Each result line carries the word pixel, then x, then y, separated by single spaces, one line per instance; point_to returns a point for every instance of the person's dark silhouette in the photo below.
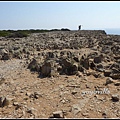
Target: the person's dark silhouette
pixel 79 27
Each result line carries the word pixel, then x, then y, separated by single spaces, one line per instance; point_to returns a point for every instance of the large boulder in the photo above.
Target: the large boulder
pixel 99 67
pixel 34 65
pixel 84 61
pixel 51 55
pixel 69 66
pixel 115 75
pixel 98 59
pixel 72 70
pixel 107 73
pixel 4 101
pixel 49 69
pixel 46 69
pixel 5 55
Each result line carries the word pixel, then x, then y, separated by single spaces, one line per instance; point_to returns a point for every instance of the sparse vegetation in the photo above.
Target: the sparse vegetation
pixel 65 29
pixel 25 33
pixel 4 33
pixel 18 35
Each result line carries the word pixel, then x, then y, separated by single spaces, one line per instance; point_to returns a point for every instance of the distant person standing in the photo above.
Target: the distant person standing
pixel 79 27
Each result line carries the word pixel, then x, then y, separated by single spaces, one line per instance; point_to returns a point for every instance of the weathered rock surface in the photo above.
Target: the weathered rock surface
pixel 47 73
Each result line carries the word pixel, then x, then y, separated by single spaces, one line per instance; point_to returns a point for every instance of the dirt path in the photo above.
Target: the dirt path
pixel 10 67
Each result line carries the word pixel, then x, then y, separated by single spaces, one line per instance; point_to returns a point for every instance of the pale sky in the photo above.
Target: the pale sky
pixel 59 14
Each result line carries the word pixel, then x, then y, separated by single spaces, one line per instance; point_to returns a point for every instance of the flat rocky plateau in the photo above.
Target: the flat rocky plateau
pixel 60 74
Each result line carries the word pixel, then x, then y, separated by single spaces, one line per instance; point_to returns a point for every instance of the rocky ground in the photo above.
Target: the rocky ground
pixel 60 74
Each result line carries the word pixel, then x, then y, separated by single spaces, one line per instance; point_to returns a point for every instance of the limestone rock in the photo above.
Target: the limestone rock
pixel 97 60
pixel 58 114
pixel 115 98
pixel 107 73
pixel 117 84
pixel 46 69
pixel 76 108
pixel 84 62
pixel 4 101
pixel 109 81
pixel 34 65
pixel 115 76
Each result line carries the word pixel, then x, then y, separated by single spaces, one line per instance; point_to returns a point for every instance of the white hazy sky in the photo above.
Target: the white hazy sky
pixel 59 14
